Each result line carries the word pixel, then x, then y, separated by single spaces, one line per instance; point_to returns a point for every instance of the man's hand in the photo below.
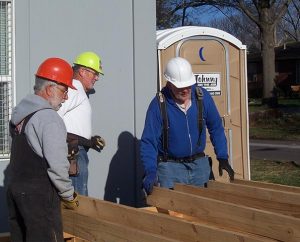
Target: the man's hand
pixel 72 204
pixel 149 181
pixel 97 143
pixel 224 165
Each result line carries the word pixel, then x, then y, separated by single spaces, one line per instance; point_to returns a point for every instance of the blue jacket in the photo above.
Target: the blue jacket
pixel 183 130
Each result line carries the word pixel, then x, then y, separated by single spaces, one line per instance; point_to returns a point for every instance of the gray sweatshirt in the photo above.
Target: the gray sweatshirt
pixel 46 134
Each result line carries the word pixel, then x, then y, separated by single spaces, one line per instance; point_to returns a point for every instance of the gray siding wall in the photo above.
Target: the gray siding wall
pixel 123 33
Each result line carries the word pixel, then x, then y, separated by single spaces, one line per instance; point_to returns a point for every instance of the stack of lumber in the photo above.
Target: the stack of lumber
pixel 296 88
pixel 223 212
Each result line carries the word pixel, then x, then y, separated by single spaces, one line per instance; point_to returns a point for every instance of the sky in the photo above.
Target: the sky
pixel 203 15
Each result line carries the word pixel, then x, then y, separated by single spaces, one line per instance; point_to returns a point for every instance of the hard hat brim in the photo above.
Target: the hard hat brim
pixel 100 71
pixel 188 83
pixel 72 87
pixel 53 80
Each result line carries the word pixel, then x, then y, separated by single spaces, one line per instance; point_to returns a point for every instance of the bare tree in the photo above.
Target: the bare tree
pixel 289 27
pixel 165 17
pixel 266 14
pixel 235 23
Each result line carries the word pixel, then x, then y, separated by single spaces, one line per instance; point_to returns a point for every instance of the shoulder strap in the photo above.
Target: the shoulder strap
pixel 199 96
pixel 25 121
pixel 164 115
pixel 20 127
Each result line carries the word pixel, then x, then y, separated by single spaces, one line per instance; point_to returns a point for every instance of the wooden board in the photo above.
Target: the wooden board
pixel 230 216
pixel 273 186
pixel 72 238
pixel 100 230
pixel 94 214
pixel 223 212
pixel 249 199
pixel 4 237
pixel 269 194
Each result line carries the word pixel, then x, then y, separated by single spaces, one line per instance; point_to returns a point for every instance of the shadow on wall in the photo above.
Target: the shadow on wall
pixel 124 180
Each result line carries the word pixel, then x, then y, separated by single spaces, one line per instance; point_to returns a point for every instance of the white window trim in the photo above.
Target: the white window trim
pixel 10 78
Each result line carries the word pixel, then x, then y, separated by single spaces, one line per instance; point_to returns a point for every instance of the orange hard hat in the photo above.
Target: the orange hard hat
pixel 57 70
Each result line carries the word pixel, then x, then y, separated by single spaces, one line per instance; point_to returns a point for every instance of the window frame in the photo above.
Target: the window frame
pixel 7 74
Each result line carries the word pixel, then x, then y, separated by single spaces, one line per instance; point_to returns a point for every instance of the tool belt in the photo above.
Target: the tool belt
pixel 186 159
pixel 74 167
pixel 74 141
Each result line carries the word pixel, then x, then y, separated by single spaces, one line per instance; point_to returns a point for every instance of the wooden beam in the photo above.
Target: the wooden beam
pixel 251 200
pixel 154 223
pixel 268 224
pixel 257 192
pixel 273 186
pixel 72 238
pixel 4 237
pixel 93 229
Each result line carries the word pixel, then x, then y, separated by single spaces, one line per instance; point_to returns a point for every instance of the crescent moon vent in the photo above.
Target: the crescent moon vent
pixel 201 54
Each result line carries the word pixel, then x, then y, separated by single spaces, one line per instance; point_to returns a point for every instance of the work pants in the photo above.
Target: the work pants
pixel 192 173
pixel 80 182
pixel 34 213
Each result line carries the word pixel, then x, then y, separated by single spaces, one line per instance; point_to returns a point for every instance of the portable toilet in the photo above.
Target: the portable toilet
pixel 218 61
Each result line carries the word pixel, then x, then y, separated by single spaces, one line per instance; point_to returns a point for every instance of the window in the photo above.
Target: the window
pixel 6 74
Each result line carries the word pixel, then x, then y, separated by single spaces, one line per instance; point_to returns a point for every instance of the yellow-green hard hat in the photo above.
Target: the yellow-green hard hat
pixel 90 60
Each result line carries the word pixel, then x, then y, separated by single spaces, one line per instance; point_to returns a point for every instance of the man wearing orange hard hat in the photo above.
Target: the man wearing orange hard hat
pixel 37 175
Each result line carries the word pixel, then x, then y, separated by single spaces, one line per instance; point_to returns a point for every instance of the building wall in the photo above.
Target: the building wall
pixel 123 33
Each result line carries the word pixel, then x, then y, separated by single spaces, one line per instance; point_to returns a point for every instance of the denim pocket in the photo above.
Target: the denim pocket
pixel 200 172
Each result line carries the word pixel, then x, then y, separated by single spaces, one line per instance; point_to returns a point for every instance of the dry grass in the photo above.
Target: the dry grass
pixel 285 173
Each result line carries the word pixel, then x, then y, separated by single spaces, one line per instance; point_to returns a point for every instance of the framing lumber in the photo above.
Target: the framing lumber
pixel 273 186
pixel 250 200
pixel 100 230
pixel 272 225
pixel 72 238
pixel 4 237
pixel 257 192
pixel 93 214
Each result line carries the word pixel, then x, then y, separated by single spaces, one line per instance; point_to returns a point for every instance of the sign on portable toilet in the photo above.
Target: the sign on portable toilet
pixel 218 61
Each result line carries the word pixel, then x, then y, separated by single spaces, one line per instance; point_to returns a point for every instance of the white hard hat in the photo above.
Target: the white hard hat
pixel 179 72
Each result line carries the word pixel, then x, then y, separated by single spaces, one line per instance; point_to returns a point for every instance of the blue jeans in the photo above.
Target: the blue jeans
pixel 80 182
pixel 192 173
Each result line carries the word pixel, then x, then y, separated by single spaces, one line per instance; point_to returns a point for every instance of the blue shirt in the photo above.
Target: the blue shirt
pixel 183 131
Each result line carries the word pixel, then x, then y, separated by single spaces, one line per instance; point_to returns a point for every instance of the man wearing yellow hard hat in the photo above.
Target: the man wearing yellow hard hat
pixel 77 115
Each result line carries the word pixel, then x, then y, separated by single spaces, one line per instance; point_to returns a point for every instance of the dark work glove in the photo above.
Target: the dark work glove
pixel 149 181
pixel 97 143
pixel 224 165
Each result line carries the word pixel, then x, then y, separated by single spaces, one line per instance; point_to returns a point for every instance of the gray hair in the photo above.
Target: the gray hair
pixel 76 68
pixel 41 83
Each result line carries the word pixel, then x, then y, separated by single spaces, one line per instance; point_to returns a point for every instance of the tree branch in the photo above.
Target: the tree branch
pixel 243 7
pixel 282 11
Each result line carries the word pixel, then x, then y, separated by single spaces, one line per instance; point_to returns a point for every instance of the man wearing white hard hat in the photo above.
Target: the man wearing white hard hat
pixel 174 137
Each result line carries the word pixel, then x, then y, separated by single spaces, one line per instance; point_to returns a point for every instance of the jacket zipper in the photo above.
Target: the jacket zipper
pixel 189 134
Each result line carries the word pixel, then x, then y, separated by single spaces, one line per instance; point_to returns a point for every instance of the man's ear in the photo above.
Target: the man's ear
pixel 81 71
pixel 49 90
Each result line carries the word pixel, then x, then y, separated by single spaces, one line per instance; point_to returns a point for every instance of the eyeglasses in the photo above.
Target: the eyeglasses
pixel 93 72
pixel 63 91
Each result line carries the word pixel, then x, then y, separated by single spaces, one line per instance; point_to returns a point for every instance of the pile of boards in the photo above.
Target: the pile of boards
pixel 223 212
